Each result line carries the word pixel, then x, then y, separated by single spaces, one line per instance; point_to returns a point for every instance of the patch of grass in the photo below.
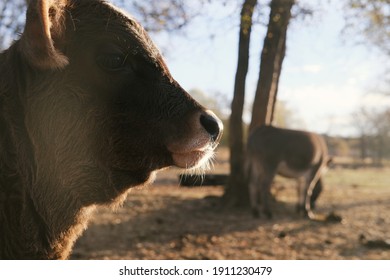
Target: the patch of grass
pixel 362 177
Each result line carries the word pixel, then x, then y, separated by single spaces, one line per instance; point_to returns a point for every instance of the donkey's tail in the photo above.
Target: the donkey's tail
pixel 318 170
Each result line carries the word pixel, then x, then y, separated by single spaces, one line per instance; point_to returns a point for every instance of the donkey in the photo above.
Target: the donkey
pixel 88 109
pixel 290 153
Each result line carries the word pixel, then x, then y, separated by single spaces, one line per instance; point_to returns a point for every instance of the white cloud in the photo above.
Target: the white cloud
pixel 375 101
pixel 312 68
pixel 307 68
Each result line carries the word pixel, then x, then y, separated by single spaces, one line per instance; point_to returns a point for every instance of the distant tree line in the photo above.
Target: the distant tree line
pixel 373 127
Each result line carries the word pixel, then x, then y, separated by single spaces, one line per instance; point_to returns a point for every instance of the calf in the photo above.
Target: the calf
pixel 291 153
pixel 88 109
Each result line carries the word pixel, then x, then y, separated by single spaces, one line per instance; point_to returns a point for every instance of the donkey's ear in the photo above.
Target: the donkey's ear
pixel 44 33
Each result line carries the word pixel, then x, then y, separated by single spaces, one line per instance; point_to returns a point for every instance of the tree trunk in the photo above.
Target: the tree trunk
pixel 363 147
pixel 236 193
pixel 271 63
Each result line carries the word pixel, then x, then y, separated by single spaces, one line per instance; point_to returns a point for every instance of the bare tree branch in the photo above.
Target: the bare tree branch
pixel 370 20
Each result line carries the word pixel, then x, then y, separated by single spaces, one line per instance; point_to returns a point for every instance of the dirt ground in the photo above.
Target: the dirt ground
pixel 166 221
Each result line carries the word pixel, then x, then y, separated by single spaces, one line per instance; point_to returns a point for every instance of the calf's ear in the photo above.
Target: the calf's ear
pixel 44 33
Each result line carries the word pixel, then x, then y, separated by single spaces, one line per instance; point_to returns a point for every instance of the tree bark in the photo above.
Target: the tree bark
pixel 236 193
pixel 272 56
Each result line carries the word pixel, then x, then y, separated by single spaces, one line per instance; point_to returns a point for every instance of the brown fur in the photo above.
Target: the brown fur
pixel 77 129
pixel 294 154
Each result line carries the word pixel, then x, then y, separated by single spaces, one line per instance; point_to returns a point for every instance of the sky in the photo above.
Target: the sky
pixel 325 77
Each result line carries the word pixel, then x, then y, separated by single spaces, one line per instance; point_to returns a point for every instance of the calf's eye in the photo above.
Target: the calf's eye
pixel 111 62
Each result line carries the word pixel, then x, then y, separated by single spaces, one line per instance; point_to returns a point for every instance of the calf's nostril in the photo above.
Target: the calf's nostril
pixel 212 125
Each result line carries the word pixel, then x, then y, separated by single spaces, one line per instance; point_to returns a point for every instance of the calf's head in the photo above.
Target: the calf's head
pixel 101 108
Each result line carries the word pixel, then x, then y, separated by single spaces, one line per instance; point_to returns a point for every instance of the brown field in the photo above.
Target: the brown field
pixel 165 221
